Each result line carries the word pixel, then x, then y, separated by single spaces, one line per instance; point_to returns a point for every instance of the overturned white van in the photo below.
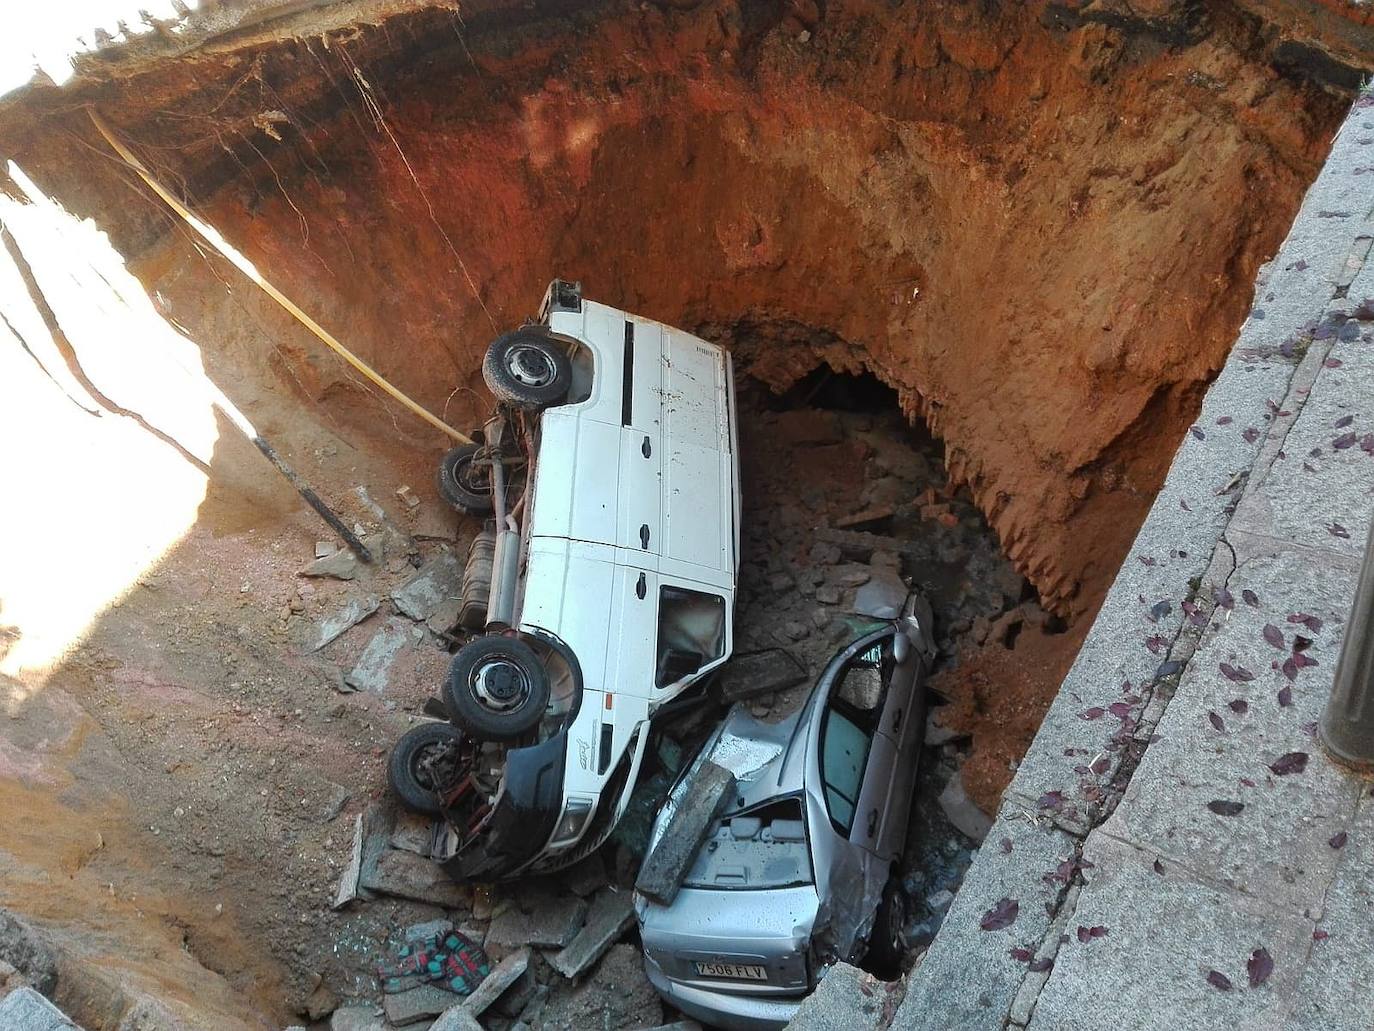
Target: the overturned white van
pixel 611 473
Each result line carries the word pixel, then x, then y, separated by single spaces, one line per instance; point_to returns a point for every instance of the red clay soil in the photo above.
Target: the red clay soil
pixel 998 696
pixel 1043 239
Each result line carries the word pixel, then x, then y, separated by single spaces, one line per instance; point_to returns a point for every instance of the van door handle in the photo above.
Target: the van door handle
pixel 872 822
pixel 641 588
pixel 645 448
pixel 644 536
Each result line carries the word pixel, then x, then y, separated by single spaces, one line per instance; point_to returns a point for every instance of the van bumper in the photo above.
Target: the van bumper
pixel 723 1009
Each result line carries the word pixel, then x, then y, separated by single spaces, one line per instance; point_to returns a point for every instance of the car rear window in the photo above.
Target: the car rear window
pixel 764 847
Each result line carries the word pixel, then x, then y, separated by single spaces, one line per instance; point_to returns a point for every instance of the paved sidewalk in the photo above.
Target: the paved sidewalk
pixel 1179 850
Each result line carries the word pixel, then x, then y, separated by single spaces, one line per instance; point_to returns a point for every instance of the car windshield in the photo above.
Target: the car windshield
pixel 763 847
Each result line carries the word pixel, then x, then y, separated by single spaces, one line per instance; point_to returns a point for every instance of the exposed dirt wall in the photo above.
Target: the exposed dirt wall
pixel 1043 237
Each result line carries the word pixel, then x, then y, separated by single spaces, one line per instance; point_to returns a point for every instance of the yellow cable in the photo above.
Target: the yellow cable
pixel 215 240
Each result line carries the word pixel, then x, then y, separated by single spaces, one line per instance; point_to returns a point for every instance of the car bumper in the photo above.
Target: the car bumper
pixel 724 1009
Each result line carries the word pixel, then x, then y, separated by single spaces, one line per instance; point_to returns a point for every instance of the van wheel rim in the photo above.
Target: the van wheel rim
pixel 500 684
pixel 530 366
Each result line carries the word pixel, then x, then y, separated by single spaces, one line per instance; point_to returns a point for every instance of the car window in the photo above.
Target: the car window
pixel 844 754
pixel 763 847
pixel 691 632
pixel 862 682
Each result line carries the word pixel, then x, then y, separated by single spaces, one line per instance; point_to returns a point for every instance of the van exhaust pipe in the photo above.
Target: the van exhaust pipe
pixel 506 560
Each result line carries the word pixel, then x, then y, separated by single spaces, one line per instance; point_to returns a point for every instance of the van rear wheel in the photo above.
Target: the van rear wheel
pixel 497 689
pixel 527 369
pixel 422 764
pixel 464 481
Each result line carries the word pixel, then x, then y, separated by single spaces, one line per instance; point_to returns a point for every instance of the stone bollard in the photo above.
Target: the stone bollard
pixel 1347 724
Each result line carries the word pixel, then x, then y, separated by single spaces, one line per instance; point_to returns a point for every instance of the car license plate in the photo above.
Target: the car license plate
pixel 740 971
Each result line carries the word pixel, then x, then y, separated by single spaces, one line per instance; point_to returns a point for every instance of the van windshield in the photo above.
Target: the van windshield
pixel 763 847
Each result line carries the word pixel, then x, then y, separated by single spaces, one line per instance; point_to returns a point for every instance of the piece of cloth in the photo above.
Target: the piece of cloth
pixel 451 961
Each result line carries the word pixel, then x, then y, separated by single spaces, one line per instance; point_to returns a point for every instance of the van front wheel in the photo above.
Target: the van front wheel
pixel 497 689
pixel 527 369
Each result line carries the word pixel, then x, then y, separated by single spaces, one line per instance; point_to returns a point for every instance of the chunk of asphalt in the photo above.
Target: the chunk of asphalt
pixel 758 673
pixel 374 665
pixel 661 875
pixel 438 580
pixel 610 916
pixel 333 626
pixel 416 1004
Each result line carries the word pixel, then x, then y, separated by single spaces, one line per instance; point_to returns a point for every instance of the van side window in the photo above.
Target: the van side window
pixel 691 632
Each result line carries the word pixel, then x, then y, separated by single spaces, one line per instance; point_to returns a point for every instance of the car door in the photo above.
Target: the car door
pixel 903 723
pixel 856 757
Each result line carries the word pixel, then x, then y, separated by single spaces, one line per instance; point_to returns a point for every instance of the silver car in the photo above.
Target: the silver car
pixel 797 874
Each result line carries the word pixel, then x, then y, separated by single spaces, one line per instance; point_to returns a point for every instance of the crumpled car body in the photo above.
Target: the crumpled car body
pixel 791 874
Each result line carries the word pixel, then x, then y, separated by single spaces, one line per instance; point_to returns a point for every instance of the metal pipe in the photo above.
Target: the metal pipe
pixel 1347 724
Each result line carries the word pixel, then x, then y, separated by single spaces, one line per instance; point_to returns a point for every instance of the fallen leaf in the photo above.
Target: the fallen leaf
pixel 1289 762
pixel 1096 712
pixel 1005 845
pixel 1159 867
pixel 1285 696
pixel 1086 934
pixel 1197 433
pixel 1216 722
pixel 1250 597
pixel 1225 807
pixel 1001 915
pixel 1236 673
pixel 1345 440
pixel 1041 965
pixel 1273 635
pixel 1259 966
pixel 1344 421
pixel 1339 839
pixel 1021 955
pixel 1218 980
pixel 1337 530
pixel 1319 935
pixel 1240 706
pixel 1290 668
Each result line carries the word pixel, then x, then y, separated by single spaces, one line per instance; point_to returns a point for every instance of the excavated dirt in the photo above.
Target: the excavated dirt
pixel 1038 230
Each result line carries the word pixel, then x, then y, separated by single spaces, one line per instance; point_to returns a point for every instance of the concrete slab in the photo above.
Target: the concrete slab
pixel 664 867
pixel 1163 934
pixel 847 999
pixel 416 1004
pixel 25 1010
pixel 333 626
pixel 1334 992
pixel 373 669
pixel 550 921
pixel 968 978
pixel 1275 847
pixel 758 673
pixel 610 915
pixel 501 977
pixel 408 876
pixel 438 580
pixel 1317 495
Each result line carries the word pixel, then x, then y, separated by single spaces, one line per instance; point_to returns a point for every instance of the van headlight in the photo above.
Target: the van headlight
pixel 570 825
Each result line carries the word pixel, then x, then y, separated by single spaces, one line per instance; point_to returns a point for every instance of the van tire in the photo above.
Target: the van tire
pixel 527 369
pixel 497 689
pixel 403 775
pixel 457 485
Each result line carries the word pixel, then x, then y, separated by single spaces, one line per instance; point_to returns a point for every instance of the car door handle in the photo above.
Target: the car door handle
pixel 872 822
